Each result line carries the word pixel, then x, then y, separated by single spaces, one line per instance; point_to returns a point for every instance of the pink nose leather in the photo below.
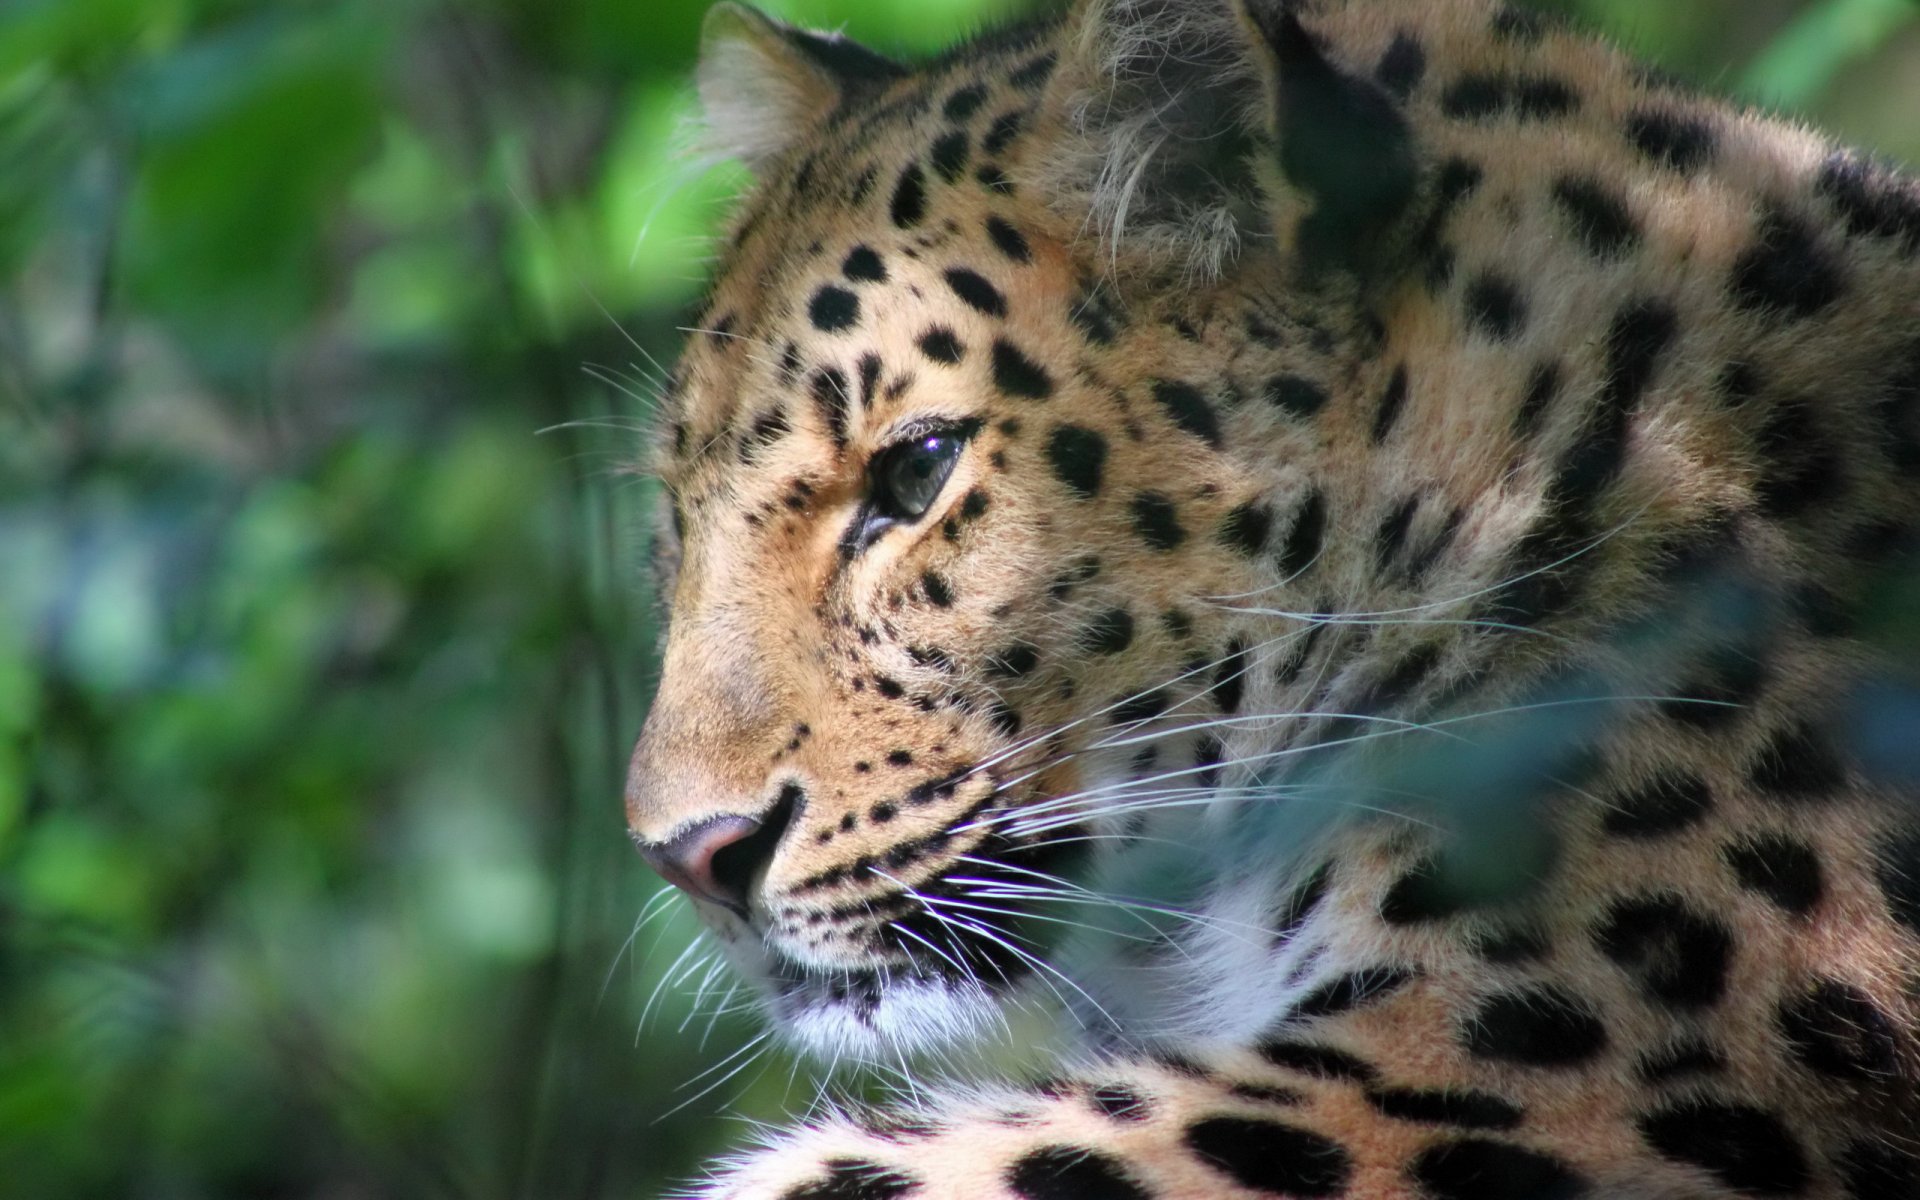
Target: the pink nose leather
pixel 688 861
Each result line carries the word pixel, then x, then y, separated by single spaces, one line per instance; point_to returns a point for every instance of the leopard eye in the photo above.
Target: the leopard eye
pixel 908 476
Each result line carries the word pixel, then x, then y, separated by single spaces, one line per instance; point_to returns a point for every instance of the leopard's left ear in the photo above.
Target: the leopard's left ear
pixel 1187 128
pixel 764 85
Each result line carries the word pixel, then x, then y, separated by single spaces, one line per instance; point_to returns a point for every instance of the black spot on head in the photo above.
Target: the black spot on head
pixel 833 309
pixel 1508 945
pixel 900 758
pixel 1071 1173
pixel 1672 800
pixel 1230 678
pixel 1678 142
pixel 1494 306
pixel 1679 956
pixel 1303 542
pixel 890 688
pixel 1008 240
pixel 1247 528
pixel 939 344
pixel 1786 271
pixel 1004 129
pixel 964 103
pixel 1392 401
pixel 1142 707
pixel 1738 383
pixel 1599 217
pixel 1837 1030
pixel 975 292
pixel 863 265
pixel 1482 1169
pixel 1543 1026
pixel 855 1179
pixel 1797 764
pixel 1402 66
pixel 1746 1149
pixel 1157 521
pixel 1321 1062
pixel 1267 1156
pixel 1295 395
pixel 1014 661
pixel 949 154
pixel 833 400
pixel 1188 409
pixel 937 588
pixel 1017 375
pixel 909 204
pixel 1078 457
pixel 1540 98
pixel 1108 633
pixel 1781 868
pixel 1476 96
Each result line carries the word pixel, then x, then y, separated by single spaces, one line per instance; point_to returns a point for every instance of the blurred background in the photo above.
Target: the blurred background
pixel 327 332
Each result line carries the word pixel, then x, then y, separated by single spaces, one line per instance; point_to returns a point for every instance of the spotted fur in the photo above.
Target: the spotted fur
pixel 1382 670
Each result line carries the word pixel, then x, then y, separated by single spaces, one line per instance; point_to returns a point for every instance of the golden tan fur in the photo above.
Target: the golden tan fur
pixel 1386 554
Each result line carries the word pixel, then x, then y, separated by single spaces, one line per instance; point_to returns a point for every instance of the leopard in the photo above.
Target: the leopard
pixel 1277 598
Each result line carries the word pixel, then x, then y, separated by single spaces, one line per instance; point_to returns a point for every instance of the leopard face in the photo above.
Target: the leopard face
pixel 944 585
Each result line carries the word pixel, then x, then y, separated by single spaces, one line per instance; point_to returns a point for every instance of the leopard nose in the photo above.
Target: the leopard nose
pixel 717 859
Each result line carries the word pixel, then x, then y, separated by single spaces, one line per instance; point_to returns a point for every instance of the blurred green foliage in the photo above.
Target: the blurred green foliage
pixel 319 662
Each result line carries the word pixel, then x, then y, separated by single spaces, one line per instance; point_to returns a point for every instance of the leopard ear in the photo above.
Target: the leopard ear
pixel 1188 128
pixel 763 84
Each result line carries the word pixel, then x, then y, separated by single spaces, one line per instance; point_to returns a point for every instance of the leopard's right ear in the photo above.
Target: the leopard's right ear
pixel 764 85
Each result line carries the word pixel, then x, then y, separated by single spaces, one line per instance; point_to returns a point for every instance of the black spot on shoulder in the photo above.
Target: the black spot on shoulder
pixel 1675 141
pixel 1539 98
pixel 1786 271
pixel 1078 457
pixel 1473 97
pixel 1519 25
pixel 1300 904
pixel 1483 1169
pixel 1063 1172
pixel 1303 542
pixel 1402 66
pixel 1230 678
pixel 1494 307
pixel 1781 868
pixel 1542 1026
pixel 940 345
pixel 1321 1062
pixel 1837 1030
pixel 1872 198
pixel 1392 401
pixel 1247 528
pixel 1031 76
pixel 1188 409
pixel 833 309
pixel 863 265
pixel 1017 375
pixel 1599 217
pixel 1449 1106
pixel 909 204
pixel 1295 395
pixel 1800 470
pixel 1008 239
pixel 1157 521
pixel 1108 633
pixel 975 292
pixel 1672 800
pixel 949 154
pixel 1267 1156
pixel 1746 1149
pixel 1355 989
pixel 1797 764
pixel 1679 956
pixel 1142 707
pixel 855 1179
